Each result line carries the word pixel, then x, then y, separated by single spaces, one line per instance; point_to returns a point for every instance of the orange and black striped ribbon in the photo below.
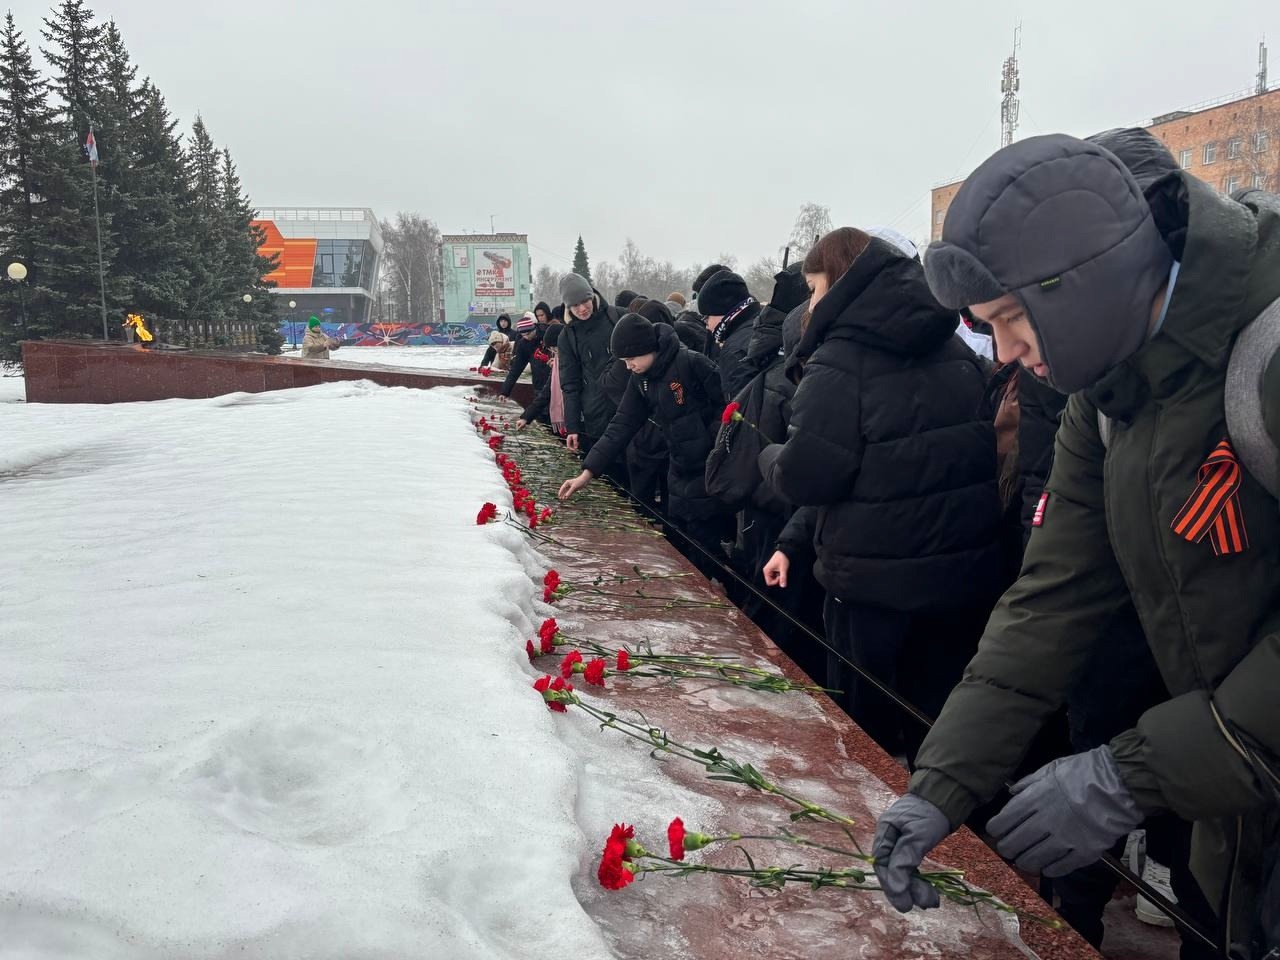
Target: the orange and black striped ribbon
pixel 1214 508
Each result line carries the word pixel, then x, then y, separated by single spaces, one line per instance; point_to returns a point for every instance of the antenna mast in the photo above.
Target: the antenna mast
pixel 1262 66
pixel 1009 88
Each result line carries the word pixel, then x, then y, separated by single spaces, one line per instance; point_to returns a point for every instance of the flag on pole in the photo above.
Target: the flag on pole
pixel 91 149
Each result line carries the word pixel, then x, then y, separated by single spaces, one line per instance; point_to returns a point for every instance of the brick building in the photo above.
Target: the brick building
pixel 1231 144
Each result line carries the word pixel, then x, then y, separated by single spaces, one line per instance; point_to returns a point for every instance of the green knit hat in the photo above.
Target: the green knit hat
pixel 313 323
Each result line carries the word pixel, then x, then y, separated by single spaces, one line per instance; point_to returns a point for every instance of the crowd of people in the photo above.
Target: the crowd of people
pixel 1027 483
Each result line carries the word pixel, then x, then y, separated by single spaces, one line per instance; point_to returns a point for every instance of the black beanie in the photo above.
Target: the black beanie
pixel 656 312
pixel 633 336
pixel 706 275
pixel 557 313
pixel 722 293
pixel 623 300
pixel 552 336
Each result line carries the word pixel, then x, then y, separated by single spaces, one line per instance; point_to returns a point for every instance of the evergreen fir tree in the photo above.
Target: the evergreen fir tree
pixel 154 246
pixel 115 122
pixel 44 192
pixel 75 53
pixel 580 265
pixel 207 255
pixel 246 267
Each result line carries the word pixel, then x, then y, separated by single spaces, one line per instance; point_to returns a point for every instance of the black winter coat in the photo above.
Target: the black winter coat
pixel 1039 413
pixel 528 352
pixel 681 393
pixel 730 351
pixel 887 441
pixel 585 360
pixel 733 471
pixel 692 331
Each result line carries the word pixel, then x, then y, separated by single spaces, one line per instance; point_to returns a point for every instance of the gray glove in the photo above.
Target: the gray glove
pixel 907 831
pixel 1066 814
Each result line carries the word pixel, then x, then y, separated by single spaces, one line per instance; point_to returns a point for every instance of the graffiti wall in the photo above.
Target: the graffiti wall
pixel 396 334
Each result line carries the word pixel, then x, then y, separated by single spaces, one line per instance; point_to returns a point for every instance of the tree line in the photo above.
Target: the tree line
pixel 635 271
pixel 177 238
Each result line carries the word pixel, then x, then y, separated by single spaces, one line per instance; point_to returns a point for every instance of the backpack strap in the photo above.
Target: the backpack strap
pixel 1253 350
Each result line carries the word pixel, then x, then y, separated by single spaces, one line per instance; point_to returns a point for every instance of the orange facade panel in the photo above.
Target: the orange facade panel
pixel 295 258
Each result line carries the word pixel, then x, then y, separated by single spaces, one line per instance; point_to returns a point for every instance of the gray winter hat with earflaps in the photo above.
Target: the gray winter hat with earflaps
pixel 1062 225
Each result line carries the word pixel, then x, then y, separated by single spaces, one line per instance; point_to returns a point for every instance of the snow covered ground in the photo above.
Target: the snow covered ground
pixel 262 691
pixel 459 359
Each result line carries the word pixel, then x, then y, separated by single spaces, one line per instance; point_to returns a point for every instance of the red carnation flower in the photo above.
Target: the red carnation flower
pixel 542 684
pixel 487 513
pixel 675 839
pixel 473 370
pixel 567 664
pixel 615 872
pixel 731 413
pixel 551 580
pixel 549 628
pixel 624 661
pixel 533 522
pixel 528 648
pixel 594 672
pixel 548 644
pixel 545 515
pixel 484 371
pixel 495 441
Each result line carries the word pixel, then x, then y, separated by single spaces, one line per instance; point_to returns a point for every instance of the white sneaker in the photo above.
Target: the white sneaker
pixel 1156 875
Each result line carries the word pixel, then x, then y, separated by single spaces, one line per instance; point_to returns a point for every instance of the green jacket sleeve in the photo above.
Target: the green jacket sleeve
pixel 1039 638
pixel 1205 756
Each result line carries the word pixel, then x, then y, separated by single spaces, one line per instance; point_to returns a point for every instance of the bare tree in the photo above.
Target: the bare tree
pixel 813 221
pixel 412 254
pixel 759 277
pixel 546 286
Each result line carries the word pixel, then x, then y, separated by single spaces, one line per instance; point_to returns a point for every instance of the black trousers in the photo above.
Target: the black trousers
pixel 919 656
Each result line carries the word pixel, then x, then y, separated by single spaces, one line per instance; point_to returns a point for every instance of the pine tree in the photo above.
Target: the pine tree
pixel 75 53
pixel 27 131
pixel 153 246
pixel 115 123
pixel 207 255
pixel 580 264
pixel 246 267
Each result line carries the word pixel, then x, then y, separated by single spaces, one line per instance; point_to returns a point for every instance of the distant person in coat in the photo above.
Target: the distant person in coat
pixel 317 344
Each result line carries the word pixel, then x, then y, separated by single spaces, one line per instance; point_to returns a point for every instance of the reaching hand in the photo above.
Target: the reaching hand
pixel 571 441
pixel 570 487
pixel 775 571
pixel 907 831
pixel 521 424
pixel 1065 815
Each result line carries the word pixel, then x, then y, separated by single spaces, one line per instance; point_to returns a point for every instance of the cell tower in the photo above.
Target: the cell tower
pixel 1262 66
pixel 1009 88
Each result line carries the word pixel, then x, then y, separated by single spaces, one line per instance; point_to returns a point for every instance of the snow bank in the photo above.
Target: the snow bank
pixel 260 691
pixel 457 359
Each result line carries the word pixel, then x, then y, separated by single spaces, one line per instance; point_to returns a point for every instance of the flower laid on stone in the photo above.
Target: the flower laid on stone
pixel 487 514
pixel 624 859
pixel 495 441
pixel 552 691
pixel 624 661
pixel 551 589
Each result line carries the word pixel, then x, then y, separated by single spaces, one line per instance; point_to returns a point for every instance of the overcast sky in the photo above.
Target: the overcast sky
pixel 693 127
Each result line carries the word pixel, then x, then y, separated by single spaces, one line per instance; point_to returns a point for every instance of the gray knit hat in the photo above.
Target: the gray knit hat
pixel 574 289
pixel 1064 227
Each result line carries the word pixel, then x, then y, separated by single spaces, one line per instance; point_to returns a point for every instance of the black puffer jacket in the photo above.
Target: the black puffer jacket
pixel 729 350
pixel 681 393
pixel 584 362
pixel 886 439
pixel 692 331
pixel 528 352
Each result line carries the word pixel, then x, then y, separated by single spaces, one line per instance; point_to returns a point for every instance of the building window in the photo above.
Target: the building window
pixel 1261 140
pixel 1210 152
pixel 1230 185
pixel 1259 181
pixel 1184 159
pixel 937 217
pixel 1233 148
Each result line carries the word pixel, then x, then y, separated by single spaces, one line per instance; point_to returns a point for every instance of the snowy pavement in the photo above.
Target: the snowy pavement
pixel 261 691
pixel 455 359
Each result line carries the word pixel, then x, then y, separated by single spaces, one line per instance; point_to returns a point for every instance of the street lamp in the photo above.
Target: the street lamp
pixel 17 272
pixel 293 324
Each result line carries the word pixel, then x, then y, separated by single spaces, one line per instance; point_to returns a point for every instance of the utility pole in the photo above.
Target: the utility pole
pixel 1262 67
pixel 1009 84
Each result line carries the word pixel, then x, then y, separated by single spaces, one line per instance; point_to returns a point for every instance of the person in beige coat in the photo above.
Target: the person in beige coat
pixel 317 344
